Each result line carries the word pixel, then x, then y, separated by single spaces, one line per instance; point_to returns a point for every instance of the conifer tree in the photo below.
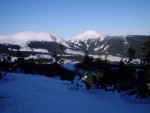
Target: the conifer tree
pixel 8 58
pixel 19 55
pixel 56 57
pixel 62 50
pixel 87 61
pixel 146 51
pixel 131 53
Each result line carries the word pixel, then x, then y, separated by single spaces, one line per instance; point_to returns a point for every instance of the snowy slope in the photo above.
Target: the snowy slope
pixel 86 39
pixel 23 38
pixel 92 35
pixel 69 51
pixel 20 93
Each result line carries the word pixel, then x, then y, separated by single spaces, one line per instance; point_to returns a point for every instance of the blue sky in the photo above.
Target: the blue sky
pixel 68 18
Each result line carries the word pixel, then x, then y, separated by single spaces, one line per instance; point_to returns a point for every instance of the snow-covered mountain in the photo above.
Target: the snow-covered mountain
pixel 91 41
pixel 88 35
pixel 86 39
pixel 97 43
pixel 35 44
pixel 23 38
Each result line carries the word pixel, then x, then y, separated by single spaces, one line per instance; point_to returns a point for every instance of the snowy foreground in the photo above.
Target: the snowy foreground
pixel 25 93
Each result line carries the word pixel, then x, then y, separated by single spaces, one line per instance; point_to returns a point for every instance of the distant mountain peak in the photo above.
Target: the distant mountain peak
pixel 22 38
pixel 90 34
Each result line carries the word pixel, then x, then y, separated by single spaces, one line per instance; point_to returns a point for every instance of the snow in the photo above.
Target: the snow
pixel 94 56
pixel 113 58
pixel 32 57
pixel 69 51
pixel 39 56
pixel 22 49
pixel 69 66
pixel 25 93
pixel 117 59
pixel 105 48
pixel 40 50
pixel 69 63
pixel 88 35
pixel 13 59
pixel 45 56
pixel 87 45
pixel 136 61
pixel 95 43
pixel 99 47
pixel 29 49
pixel 23 38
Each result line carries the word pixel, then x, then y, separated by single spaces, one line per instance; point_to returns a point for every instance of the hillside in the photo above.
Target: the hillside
pixel 25 93
pixel 35 44
pixel 100 44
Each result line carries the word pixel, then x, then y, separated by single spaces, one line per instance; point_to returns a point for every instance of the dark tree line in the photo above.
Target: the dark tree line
pixel 21 65
pixel 134 79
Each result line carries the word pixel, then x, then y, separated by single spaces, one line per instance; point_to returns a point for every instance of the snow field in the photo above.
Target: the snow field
pixel 39 94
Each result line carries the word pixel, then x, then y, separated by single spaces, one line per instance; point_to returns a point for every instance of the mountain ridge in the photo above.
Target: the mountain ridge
pixel 22 38
pixel 90 41
pixel 42 36
pixel 90 34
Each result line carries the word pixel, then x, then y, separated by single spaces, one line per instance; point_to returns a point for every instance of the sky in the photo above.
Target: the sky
pixel 69 18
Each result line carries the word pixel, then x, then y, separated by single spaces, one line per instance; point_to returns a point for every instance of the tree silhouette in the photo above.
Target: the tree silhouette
pixel 131 53
pixel 56 57
pixel 87 61
pixel 62 50
pixel 19 55
pixel 146 51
